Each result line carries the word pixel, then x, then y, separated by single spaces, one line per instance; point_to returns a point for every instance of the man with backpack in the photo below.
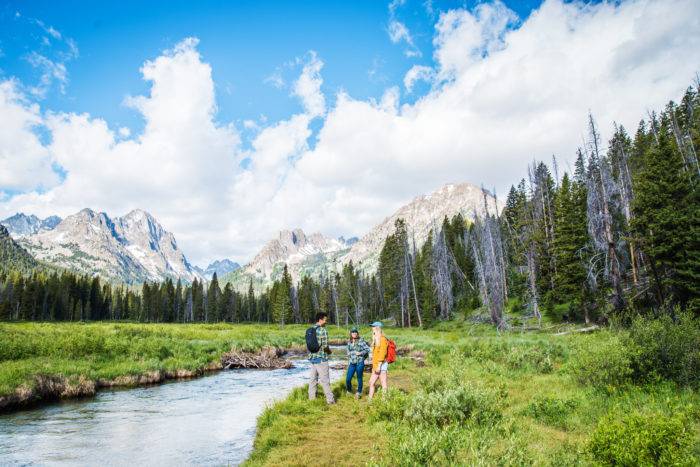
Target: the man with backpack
pixel 317 345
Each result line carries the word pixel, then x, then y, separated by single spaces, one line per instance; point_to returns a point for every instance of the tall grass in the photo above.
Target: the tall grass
pixel 517 398
pixel 109 350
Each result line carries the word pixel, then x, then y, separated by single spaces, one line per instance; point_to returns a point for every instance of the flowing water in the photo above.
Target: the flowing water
pixel 205 421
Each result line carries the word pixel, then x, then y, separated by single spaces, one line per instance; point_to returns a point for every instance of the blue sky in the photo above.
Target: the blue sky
pixel 230 121
pixel 245 42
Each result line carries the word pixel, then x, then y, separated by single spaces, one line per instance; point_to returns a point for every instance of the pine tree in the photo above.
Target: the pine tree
pixel 281 298
pixel 213 298
pixel 664 217
pixel 570 241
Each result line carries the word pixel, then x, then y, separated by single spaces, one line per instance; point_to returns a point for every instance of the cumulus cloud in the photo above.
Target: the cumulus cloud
pixel 504 91
pixel 25 164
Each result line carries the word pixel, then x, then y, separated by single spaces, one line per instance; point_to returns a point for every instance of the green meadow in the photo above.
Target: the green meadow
pixel 461 393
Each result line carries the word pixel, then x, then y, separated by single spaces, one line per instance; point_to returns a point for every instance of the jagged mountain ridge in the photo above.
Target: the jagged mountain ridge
pixel 422 214
pixel 132 248
pixel 21 225
pixel 316 255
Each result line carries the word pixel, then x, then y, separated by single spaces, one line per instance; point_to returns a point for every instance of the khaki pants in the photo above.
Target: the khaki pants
pixel 320 375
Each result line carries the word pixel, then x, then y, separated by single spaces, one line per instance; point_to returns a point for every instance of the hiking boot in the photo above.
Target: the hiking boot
pixel 357 396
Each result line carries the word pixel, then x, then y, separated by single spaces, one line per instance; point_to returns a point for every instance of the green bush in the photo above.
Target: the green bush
pixel 388 406
pixel 643 439
pixel 551 410
pixel 425 445
pixel 454 405
pixel 605 365
pixel 414 446
pixel 664 348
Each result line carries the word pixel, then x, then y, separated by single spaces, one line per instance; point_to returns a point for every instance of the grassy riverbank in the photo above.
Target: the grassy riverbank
pixel 40 361
pixel 531 398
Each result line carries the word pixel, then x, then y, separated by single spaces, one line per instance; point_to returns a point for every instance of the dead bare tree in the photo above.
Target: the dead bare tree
pixel 602 189
pixel 443 268
pixel 486 243
pixel 626 196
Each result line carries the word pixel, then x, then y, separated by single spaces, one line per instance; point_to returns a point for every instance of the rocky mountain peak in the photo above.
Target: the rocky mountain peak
pixel 422 214
pixel 132 248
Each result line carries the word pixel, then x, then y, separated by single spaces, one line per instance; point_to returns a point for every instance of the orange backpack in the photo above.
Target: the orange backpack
pixel 391 351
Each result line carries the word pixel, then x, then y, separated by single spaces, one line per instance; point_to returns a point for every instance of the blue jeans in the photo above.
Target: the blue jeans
pixel 352 369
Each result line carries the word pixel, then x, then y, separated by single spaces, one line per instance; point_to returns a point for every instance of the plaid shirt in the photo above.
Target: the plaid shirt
pixel 357 351
pixel 322 336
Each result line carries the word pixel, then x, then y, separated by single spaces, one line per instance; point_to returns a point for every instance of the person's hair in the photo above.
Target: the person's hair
pixel 320 315
pixel 377 333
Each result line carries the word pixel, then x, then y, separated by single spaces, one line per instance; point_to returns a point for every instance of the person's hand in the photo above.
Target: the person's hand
pixel 328 350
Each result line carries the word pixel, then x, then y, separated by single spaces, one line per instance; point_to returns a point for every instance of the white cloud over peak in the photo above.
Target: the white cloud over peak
pixel 503 92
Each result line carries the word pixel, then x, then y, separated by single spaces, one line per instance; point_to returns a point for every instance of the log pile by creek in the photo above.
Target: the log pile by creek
pixel 268 358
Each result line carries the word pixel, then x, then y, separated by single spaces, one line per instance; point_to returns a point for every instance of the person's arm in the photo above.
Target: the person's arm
pixel 383 349
pixel 364 347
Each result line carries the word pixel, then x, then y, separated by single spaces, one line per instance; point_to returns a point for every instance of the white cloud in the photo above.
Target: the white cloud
pixel 51 63
pixel 398 32
pixel 464 37
pixel 276 80
pixel 417 73
pixel 50 71
pixel 504 92
pixel 308 87
pixel 25 164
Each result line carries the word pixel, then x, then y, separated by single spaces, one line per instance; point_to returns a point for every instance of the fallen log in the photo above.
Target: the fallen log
pixel 269 358
pixel 588 329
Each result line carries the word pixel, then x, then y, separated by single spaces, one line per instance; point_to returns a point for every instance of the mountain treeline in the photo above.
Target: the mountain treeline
pixel 617 236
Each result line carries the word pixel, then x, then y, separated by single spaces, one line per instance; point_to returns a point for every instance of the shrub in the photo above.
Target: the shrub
pixel 606 366
pixel 551 410
pixel 388 406
pixel 664 348
pixel 425 445
pixel 414 446
pixel 539 356
pixel 643 439
pixel 454 405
